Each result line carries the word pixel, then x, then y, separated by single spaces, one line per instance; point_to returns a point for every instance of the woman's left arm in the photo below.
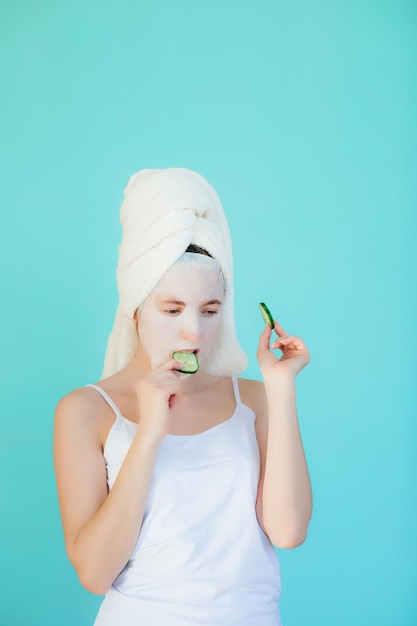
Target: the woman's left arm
pixel 285 500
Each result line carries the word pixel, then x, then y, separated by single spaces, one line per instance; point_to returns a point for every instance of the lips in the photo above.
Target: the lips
pixel 191 350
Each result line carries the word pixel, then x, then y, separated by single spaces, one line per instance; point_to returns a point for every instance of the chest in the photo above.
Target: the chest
pixel 189 414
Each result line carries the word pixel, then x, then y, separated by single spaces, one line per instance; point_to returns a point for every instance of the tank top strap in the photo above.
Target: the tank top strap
pixel 236 390
pixel 106 398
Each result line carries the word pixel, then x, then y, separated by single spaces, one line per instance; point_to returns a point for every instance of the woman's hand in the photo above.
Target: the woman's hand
pixel 295 354
pixel 156 394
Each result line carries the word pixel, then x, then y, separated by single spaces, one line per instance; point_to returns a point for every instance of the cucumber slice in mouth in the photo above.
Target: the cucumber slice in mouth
pixel 266 314
pixel 189 360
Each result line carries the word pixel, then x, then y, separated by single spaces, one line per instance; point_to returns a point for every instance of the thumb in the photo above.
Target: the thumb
pixel 264 341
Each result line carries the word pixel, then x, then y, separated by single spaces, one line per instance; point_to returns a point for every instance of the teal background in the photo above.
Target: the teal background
pixel 302 116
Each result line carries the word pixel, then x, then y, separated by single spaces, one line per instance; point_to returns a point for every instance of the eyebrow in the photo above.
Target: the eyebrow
pixel 179 302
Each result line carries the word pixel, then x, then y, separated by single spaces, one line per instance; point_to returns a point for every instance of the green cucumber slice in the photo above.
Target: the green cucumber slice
pixel 190 361
pixel 266 314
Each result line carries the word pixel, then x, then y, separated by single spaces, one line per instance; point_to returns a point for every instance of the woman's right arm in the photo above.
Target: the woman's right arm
pixel 101 528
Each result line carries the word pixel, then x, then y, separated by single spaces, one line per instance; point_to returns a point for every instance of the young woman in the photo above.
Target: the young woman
pixel 173 487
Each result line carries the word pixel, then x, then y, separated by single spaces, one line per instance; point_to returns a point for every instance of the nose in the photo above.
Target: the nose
pixel 191 329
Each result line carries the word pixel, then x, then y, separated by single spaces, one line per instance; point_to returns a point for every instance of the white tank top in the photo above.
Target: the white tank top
pixel 201 557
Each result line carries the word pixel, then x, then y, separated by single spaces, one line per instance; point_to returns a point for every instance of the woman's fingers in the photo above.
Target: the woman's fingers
pixel 283 342
pixel 279 330
pixel 286 341
pixel 171 364
pixel 264 339
pixel 165 378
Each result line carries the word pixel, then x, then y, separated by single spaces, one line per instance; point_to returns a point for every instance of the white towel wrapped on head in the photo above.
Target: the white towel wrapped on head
pixel 163 212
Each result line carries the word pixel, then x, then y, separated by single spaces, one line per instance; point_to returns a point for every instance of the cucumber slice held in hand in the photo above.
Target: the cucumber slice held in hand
pixel 266 314
pixel 189 360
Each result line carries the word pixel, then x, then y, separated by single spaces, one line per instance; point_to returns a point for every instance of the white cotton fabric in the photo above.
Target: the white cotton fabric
pixel 201 557
pixel 163 212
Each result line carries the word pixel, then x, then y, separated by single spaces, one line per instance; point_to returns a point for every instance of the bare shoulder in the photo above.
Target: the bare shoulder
pixel 253 394
pixel 82 409
pixel 78 405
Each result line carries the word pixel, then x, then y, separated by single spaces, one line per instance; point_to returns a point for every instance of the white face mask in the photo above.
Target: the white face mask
pixel 184 310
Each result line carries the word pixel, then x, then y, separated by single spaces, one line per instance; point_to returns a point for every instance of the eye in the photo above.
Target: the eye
pixel 172 311
pixel 210 312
